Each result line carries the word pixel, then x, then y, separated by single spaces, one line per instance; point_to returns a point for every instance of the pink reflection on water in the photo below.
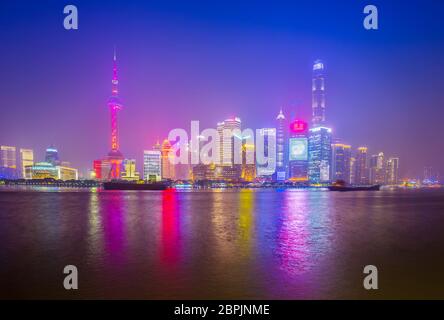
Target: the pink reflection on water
pixel 170 234
pixel 113 210
pixel 294 248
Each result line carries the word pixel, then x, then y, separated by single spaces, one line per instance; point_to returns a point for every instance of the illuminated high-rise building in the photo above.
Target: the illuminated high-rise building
pixel 320 137
pixel 46 170
pixel 227 141
pixel 67 173
pixel 351 178
pixel 168 167
pixel 377 170
pixel 392 171
pixel 26 160
pixel 152 165
pixel 319 155
pixel 281 161
pixel 248 173
pixel 266 171
pixel 341 154
pixel 129 170
pixel 8 162
pixel 52 155
pixel 102 169
pixel 361 167
pixel 298 151
pixel 318 94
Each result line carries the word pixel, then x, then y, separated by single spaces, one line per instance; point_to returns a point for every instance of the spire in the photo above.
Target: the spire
pixel 115 81
pixel 280 115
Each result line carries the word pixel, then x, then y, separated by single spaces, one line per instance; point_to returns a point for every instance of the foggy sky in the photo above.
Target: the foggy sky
pixel 209 60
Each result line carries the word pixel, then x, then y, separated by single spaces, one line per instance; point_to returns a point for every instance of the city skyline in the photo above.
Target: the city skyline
pixel 115 159
pixel 163 88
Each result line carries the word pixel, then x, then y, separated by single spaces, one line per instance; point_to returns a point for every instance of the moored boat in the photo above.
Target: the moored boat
pixel 118 185
pixel 354 188
pixel 340 185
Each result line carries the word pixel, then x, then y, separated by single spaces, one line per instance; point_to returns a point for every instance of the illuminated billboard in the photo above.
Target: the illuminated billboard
pixel 298 149
pixel 299 127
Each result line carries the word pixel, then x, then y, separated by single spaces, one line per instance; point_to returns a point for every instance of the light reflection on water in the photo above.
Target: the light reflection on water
pixel 221 243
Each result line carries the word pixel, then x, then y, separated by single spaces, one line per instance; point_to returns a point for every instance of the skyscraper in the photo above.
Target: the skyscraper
pixel 8 162
pixel 227 141
pixel 351 178
pixel 228 170
pixel 26 160
pixel 281 168
pixel 168 171
pixel 248 169
pixel 52 155
pixel 320 137
pixel 298 151
pixel 392 171
pixel 341 154
pixel 377 169
pixel 263 170
pixel 361 168
pixel 129 170
pixel 152 165
pixel 318 94
pixel 319 155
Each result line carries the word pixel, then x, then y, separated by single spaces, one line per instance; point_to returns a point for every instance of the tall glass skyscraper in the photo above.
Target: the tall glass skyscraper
pixel 319 155
pixel 281 167
pixel 52 155
pixel 227 142
pixel 263 170
pixel 318 94
pixel 361 167
pixel 320 137
pixel 392 171
pixel 341 154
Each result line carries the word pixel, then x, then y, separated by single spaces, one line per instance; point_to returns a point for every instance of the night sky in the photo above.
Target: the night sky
pixel 209 60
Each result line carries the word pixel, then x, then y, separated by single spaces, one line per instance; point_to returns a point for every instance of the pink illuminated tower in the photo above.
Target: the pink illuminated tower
pixel 115 156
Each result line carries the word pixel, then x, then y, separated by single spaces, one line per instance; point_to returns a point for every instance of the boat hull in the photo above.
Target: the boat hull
pixel 362 188
pixel 134 186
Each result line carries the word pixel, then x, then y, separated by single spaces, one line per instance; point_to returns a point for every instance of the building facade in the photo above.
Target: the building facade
pixel 318 94
pixel 393 171
pixel 281 161
pixel 377 170
pixel 298 151
pixel 341 157
pixel 168 167
pixel 266 171
pixel 129 172
pixel 152 165
pixel 361 176
pixel 319 155
pixel 26 160
pixel 8 162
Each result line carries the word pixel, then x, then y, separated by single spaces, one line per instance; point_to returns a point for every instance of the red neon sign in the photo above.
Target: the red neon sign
pixel 299 126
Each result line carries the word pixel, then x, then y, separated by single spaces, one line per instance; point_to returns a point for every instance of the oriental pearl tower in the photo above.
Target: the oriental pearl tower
pixel 115 105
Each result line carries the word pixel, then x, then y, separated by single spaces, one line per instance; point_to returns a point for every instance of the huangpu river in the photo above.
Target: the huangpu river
pixel 221 244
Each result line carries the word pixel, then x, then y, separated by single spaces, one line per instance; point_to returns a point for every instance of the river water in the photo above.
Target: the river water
pixel 221 244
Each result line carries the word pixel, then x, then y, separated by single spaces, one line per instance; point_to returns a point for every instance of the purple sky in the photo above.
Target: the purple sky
pixel 210 60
